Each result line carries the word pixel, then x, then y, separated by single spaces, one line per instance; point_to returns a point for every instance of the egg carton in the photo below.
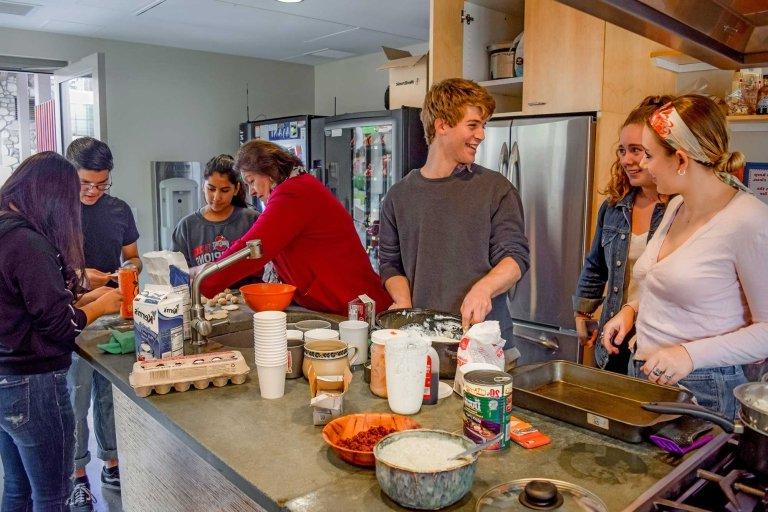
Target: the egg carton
pixel 183 372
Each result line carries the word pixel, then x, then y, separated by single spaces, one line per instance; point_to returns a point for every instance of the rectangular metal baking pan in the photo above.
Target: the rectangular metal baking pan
pixel 595 399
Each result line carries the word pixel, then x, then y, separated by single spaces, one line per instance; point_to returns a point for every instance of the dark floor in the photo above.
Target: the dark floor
pixel 106 500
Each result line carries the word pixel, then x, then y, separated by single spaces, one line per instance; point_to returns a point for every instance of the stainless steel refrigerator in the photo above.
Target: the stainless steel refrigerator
pixel 301 135
pixel 549 160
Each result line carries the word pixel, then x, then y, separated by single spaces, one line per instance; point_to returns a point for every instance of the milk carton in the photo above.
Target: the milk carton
pixel 170 268
pixel 158 316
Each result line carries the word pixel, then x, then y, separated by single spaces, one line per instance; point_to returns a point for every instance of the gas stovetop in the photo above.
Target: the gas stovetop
pixel 708 481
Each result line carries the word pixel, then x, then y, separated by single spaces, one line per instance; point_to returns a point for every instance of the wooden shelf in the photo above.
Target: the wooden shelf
pixel 505 86
pixel 747 119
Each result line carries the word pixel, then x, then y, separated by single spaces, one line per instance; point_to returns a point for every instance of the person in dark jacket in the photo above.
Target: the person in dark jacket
pixel 626 221
pixel 41 267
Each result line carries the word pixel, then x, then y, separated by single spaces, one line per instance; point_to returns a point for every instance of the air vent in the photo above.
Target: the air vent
pixel 148 7
pixel 15 9
pixel 329 53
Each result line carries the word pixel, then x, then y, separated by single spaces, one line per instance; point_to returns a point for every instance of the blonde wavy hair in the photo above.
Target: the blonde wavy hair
pixel 618 185
pixel 707 122
pixel 448 100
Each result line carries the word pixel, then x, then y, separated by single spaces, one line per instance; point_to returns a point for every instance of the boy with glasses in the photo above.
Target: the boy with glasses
pixel 109 242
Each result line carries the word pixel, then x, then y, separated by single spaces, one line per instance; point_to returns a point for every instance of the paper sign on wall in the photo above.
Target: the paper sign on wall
pixel 756 178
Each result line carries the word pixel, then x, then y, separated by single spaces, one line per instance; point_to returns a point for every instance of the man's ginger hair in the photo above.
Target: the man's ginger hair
pixel 449 99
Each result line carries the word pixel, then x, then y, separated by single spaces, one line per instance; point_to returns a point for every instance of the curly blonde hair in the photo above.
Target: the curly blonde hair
pixel 618 185
pixel 448 100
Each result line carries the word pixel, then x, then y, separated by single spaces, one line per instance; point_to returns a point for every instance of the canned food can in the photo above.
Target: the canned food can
pixel 128 282
pixel 488 407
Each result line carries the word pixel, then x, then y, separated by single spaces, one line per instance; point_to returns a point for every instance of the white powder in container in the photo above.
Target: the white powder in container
pixel 422 454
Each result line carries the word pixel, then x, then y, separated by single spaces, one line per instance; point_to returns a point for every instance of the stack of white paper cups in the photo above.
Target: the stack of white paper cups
pixel 270 346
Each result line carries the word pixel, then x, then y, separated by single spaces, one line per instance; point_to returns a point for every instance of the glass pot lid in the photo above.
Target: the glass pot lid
pixel 539 494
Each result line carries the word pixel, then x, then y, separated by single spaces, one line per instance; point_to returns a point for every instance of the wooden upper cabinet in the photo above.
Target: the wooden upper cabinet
pixel 564 51
pixel 445 39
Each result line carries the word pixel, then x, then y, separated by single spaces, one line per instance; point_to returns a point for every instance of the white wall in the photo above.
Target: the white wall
pixel 172 104
pixel 356 83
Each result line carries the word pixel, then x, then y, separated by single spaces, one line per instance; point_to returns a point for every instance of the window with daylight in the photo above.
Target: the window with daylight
pixel 25 127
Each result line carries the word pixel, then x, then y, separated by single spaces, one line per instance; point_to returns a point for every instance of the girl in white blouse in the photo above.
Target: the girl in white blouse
pixel 703 304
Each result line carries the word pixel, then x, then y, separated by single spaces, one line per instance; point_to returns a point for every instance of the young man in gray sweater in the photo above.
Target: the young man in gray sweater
pixel 452 234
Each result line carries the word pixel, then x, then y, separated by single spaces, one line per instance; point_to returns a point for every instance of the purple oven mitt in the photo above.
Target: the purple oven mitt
pixel 683 435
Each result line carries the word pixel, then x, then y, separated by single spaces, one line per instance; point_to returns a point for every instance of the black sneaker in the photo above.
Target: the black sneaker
pixel 110 478
pixel 81 499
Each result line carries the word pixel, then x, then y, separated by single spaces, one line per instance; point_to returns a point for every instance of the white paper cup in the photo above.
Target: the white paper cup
pixel 308 325
pixel 321 334
pixel 355 333
pixel 270 315
pixel 294 334
pixel 271 380
pixel 282 360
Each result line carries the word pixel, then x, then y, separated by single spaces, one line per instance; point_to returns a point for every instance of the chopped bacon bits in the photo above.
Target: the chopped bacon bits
pixel 364 441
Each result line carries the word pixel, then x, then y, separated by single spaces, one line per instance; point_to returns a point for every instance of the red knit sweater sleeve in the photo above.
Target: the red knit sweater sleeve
pixel 286 216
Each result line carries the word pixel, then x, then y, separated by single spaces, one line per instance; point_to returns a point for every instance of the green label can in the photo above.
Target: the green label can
pixel 488 407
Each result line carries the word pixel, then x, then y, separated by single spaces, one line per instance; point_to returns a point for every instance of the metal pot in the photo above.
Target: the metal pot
pixel 752 423
pixel 446 346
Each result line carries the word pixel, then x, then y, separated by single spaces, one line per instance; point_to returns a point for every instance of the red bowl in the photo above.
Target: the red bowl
pixel 347 426
pixel 268 296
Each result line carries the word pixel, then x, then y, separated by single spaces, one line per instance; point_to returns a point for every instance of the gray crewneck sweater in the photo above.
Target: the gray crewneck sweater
pixel 445 234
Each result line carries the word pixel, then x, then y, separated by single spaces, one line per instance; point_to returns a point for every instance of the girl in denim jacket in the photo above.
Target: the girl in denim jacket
pixel 625 223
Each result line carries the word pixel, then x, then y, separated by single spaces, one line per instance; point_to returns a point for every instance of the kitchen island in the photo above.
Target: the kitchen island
pixel 228 449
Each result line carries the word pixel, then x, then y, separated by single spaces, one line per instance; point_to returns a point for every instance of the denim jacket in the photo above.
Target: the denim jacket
pixel 606 263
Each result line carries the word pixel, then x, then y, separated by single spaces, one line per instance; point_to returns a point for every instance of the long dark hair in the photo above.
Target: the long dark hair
pixel 45 190
pixel 224 164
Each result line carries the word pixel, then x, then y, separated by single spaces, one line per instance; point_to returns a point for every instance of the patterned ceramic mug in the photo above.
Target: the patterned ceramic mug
pixel 327 357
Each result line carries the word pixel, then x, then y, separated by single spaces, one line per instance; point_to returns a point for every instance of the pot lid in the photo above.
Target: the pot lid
pixel 538 494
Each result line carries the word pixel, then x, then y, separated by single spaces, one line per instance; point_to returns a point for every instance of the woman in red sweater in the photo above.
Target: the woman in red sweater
pixel 305 231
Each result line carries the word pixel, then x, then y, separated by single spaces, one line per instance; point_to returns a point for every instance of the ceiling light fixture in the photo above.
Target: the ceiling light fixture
pixel 290 1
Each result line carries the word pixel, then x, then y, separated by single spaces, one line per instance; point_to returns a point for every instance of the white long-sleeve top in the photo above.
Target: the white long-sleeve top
pixel 711 293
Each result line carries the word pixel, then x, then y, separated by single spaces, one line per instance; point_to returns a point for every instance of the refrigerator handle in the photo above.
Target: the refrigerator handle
pixel 514 164
pixel 549 343
pixel 503 165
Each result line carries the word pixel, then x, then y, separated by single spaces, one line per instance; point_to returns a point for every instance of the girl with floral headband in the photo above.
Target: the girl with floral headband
pixel 703 304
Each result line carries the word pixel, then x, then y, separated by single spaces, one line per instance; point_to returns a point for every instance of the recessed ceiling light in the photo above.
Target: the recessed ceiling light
pixel 290 1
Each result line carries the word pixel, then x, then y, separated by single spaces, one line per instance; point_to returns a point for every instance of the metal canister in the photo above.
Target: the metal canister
pixel 128 281
pixel 488 407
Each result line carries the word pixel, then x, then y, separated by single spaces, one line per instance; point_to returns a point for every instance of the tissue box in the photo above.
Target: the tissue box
pixel 327 394
pixel 363 308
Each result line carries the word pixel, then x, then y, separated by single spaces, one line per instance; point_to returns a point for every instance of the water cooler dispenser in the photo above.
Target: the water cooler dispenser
pixel 176 192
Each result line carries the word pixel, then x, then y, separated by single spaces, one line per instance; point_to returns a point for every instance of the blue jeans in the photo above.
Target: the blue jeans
pixel 712 387
pixel 84 382
pixel 36 441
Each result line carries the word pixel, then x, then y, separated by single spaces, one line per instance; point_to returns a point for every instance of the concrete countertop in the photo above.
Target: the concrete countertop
pixel 272 452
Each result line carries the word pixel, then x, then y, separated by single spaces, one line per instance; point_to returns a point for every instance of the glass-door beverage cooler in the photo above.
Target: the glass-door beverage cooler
pixel 367 153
